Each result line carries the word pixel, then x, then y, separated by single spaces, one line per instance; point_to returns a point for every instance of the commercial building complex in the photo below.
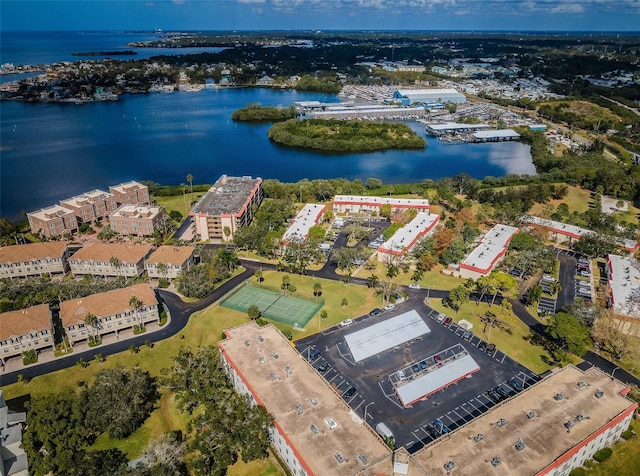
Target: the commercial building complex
pixel 310 215
pixel 131 193
pixel 563 232
pixel 371 205
pixel 226 207
pixel 623 279
pixel 109 259
pixel 34 259
pixel 26 329
pixel 91 206
pixel 138 220
pixel 315 431
pixel 53 221
pixel 406 237
pixel 427 97
pixel 490 250
pixel 548 429
pixel 170 261
pixel 112 309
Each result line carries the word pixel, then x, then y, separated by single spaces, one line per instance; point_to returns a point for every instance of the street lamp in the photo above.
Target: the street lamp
pixel 365 411
pixel 614 371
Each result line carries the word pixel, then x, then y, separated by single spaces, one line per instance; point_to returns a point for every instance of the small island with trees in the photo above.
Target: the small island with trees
pixel 254 112
pixel 331 135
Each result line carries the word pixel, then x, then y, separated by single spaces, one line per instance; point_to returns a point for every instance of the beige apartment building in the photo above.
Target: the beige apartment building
pixel 91 206
pixel 53 221
pixel 26 329
pixel 226 207
pixel 34 259
pixel 131 193
pixel 139 220
pixel 169 261
pixel 110 259
pixel 112 309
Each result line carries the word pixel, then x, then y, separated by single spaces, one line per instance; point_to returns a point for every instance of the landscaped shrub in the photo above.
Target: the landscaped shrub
pixel 603 454
pixel 578 472
pixel 628 434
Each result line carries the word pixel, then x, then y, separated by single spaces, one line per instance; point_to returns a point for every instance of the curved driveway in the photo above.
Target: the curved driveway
pixel 180 312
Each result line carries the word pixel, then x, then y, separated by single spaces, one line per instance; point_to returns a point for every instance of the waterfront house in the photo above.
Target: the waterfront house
pixel 53 221
pixel 131 193
pixel 34 259
pixel 91 206
pixel 170 261
pixel 138 220
pixel 110 259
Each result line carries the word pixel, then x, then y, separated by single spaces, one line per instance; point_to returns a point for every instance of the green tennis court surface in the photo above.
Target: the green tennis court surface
pixel 289 310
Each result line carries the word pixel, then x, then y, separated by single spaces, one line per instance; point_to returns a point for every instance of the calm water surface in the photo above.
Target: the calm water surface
pixel 50 152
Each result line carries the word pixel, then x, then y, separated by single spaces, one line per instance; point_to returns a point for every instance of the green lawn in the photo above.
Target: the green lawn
pixel 578 200
pixel 515 345
pixel 433 279
pixel 179 202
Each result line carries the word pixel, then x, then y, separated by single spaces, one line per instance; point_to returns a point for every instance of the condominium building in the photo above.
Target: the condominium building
pixel 424 224
pixel 53 221
pixel 113 310
pixel 310 215
pixel 170 261
pixel 14 458
pixel 315 432
pixel 34 259
pixel 131 193
pixel 546 430
pixel 488 253
pixel 226 207
pixel 110 259
pixel 139 220
pixel 371 205
pixel 623 280
pixel 26 329
pixel 91 206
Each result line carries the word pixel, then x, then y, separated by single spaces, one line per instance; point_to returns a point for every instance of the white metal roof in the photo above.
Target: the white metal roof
pixel 624 281
pixel 497 134
pixel 490 247
pixel 303 221
pixel 385 335
pixel 433 381
pixel 456 126
pixel 379 201
pixel 406 236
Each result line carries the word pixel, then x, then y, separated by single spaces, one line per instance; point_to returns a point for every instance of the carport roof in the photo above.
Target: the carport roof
pixel 385 335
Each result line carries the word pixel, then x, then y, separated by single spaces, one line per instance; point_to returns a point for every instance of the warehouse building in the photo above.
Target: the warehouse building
pixel 226 207
pixel 427 97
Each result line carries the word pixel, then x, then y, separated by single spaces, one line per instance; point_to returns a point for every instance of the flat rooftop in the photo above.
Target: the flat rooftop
pixel 405 237
pixel 624 281
pixel 490 248
pixel 303 221
pixel 227 196
pixel 136 211
pixel 51 212
pixel 301 402
pixel 86 198
pixel 455 126
pixel 385 335
pixel 126 186
pixel 544 435
pixel 496 134
pixel 379 201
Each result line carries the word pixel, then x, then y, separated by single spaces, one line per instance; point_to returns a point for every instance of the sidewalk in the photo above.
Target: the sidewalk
pixel 47 355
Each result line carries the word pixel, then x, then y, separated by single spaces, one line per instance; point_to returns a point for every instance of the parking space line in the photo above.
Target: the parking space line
pixel 452 420
pixel 359 404
pixel 334 377
pixel 503 357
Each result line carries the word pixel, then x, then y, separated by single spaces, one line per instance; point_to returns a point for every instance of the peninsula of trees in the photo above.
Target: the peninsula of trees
pixel 333 135
pixel 256 113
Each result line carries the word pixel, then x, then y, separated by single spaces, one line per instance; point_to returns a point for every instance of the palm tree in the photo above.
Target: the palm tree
pixel 91 321
pixel 115 262
pixel 135 304
pixel 162 268
pixel 190 180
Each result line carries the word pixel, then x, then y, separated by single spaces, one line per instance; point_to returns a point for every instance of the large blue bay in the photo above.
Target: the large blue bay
pixel 50 151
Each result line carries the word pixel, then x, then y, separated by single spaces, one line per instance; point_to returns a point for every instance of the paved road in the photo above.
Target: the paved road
pixel 567 293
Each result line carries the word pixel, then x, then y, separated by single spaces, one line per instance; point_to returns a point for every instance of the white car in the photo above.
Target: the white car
pixel 389 306
pixel 440 317
pixel 414 286
pixel 346 322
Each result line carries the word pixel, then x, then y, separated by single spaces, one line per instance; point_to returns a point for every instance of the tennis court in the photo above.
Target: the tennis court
pixel 289 310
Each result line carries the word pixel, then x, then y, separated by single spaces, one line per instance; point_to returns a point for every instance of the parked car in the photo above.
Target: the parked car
pixel 502 392
pixel 513 382
pixel 414 286
pixel 440 317
pixel 482 346
pixel 415 368
pixel 583 261
pixel 313 355
pixel 389 306
pixel 322 368
pixel 375 312
pixel 467 335
pixel 585 274
pixel 491 348
pixel 346 322
pixel 423 365
pixel 351 391
pixel 447 322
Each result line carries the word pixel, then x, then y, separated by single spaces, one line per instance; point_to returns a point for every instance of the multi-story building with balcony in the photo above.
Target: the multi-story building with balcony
pixel 170 261
pixel 138 220
pixel 229 205
pixel 110 259
pixel 53 221
pixel 113 311
pixel 24 330
pixel 91 206
pixel 34 259
pixel 131 193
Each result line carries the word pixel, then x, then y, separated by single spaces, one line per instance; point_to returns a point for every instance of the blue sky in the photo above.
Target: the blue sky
pixel 510 15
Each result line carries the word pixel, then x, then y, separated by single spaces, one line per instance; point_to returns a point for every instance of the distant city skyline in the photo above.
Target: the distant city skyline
pixel 434 15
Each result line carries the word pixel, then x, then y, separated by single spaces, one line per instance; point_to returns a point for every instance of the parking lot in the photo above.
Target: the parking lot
pixel 373 397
